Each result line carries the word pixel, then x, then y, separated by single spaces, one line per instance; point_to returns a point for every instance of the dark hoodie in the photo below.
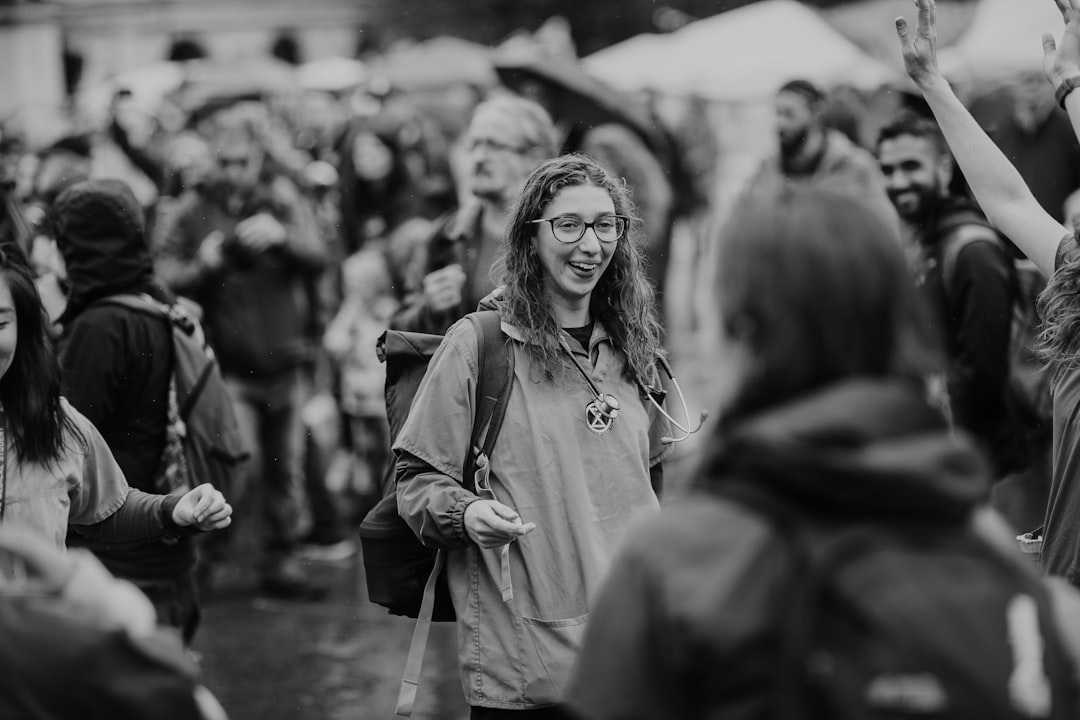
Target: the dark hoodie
pixel 687 624
pixel 117 361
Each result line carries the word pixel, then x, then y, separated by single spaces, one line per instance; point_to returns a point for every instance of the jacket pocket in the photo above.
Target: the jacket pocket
pixel 551 646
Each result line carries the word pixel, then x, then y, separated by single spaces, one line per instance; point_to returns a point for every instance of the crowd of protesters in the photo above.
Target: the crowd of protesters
pixel 874 307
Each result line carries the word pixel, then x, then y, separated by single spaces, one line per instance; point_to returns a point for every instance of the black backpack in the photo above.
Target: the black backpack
pixel 396 565
pixel 887 619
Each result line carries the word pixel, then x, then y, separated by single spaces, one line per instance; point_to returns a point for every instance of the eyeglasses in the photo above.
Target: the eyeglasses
pixel 571 228
pixel 475 144
pixel 228 162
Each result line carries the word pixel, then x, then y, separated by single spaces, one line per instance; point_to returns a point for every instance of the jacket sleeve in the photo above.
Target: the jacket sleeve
pixel 142 516
pixel 433 444
pixel 980 308
pixel 413 314
pixel 176 243
pixel 99 488
pixel 302 242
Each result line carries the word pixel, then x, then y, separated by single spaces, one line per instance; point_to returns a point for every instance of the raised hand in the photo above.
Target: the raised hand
pixel 1060 62
pixel 920 51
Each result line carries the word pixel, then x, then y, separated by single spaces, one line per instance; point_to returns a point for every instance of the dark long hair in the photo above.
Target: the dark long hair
pixel 622 300
pixel 814 284
pixel 30 389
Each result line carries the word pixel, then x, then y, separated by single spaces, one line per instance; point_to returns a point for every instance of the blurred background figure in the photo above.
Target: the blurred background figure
pixel 350 339
pixel 246 247
pixel 66 608
pixel 811 152
pixel 507 139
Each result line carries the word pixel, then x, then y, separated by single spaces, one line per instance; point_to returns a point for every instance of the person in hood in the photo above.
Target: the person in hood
pixel 820 369
pixel 117 363
pixel 56 471
pixel 579 455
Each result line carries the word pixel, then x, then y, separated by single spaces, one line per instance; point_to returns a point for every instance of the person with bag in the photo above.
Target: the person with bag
pixel 578 457
pixel 834 557
pixel 116 352
pixel 1012 208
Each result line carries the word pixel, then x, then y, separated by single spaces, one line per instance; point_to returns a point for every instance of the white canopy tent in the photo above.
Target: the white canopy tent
pixel 1004 38
pixel 740 55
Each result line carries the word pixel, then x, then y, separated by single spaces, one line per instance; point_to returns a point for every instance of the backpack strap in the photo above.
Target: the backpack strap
pixel 142 303
pixel 957 238
pixel 495 360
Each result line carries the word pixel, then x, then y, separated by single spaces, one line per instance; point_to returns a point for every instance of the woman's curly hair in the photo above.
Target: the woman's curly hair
pixel 1059 309
pixel 623 299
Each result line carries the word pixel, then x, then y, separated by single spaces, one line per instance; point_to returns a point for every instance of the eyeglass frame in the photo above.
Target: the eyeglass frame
pixel 585 226
pixel 473 144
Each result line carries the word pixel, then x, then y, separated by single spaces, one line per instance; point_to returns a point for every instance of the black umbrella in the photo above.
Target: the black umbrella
pixel 573 95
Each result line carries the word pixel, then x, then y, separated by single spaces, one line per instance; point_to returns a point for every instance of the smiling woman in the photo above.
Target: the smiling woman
pixel 579 455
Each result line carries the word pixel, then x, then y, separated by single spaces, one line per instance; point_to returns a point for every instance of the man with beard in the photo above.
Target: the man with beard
pixel 245 246
pixel 810 152
pixel 971 310
pixel 507 139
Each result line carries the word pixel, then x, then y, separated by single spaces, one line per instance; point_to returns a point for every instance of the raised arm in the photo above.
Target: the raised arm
pixel 1062 64
pixel 997 185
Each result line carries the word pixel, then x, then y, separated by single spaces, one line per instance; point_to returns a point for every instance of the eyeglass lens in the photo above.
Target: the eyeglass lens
pixel 569 228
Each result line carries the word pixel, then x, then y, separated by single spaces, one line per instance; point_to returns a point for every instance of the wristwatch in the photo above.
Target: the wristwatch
pixel 1067 85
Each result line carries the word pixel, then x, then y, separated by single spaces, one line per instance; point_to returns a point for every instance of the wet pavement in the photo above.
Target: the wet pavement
pixel 339 659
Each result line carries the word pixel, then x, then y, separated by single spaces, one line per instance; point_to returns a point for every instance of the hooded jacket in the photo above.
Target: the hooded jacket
pixel 688 623
pixel 117 361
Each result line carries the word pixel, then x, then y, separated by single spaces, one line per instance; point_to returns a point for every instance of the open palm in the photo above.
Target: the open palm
pixel 920 51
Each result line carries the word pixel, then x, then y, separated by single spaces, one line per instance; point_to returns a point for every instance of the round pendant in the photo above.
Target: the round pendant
pixel 600 414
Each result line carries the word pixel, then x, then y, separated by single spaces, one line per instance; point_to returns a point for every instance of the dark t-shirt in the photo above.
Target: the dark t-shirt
pixel 581 334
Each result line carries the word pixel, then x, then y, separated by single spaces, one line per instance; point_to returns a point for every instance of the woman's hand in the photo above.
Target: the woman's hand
pixel 204 507
pixel 1064 61
pixel 490 524
pixel 920 52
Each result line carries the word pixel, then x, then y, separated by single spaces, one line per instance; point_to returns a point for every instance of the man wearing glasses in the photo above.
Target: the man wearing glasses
pixel 507 139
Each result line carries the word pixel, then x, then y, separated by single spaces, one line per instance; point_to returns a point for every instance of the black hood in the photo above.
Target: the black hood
pixel 101 234
pixel 858 450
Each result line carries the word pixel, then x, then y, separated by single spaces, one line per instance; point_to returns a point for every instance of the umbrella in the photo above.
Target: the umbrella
pixel 572 94
pixel 214 83
pixel 148 85
pixel 435 64
pixel 331 74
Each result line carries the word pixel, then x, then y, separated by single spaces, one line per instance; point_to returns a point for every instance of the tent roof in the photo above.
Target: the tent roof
pixel 1005 36
pixel 742 54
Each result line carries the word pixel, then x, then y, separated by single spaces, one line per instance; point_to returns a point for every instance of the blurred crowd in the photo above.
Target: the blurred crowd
pixel 298 225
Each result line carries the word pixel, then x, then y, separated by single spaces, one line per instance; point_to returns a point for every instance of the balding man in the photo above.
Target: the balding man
pixel 507 139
